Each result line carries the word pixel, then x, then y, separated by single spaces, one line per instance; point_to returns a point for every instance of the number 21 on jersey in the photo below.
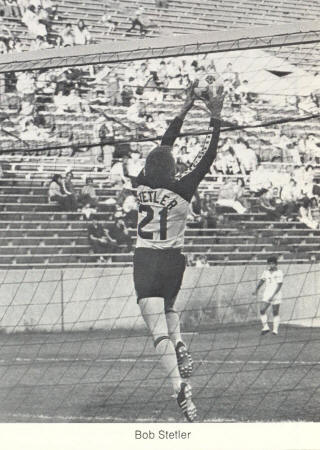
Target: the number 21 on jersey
pixel 148 218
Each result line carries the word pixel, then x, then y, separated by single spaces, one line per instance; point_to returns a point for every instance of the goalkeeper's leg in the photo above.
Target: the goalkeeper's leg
pixel 185 363
pixel 152 310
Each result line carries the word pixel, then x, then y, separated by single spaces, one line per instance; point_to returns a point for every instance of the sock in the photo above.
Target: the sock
pixel 173 323
pixel 276 323
pixel 165 349
pixel 264 321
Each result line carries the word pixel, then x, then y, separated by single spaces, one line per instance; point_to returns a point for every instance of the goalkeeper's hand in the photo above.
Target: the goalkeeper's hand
pixel 214 103
pixel 190 98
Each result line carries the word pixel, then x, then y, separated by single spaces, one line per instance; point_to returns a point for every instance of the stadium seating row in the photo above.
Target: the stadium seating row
pixel 34 233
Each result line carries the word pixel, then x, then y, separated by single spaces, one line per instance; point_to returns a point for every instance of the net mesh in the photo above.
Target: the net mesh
pixel 73 344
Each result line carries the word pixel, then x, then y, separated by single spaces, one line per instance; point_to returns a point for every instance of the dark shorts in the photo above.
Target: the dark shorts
pixel 158 273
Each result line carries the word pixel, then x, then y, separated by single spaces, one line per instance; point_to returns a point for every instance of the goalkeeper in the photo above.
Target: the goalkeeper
pixel 158 262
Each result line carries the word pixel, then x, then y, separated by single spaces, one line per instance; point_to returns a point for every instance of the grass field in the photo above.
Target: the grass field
pixel 112 377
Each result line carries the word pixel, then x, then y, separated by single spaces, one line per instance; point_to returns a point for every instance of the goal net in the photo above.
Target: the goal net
pixel 73 346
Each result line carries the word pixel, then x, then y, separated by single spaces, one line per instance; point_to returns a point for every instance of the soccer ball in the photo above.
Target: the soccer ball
pixel 209 83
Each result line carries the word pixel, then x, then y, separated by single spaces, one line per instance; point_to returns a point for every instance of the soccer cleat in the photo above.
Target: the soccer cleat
pixel 185 363
pixel 185 402
pixel 275 333
pixel 265 331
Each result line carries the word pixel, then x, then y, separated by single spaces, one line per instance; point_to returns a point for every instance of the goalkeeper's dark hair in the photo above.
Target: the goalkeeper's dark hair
pixel 160 165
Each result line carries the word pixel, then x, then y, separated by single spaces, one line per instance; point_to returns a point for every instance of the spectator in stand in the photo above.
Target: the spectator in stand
pixel 240 193
pixel 88 195
pixel 76 103
pixel 137 114
pixel 241 93
pixel 160 123
pixel 67 35
pixel 56 193
pixel 64 81
pixel 131 218
pixel 12 8
pixel 103 131
pixel 162 73
pixel 227 162
pixel 50 8
pixel 57 42
pixel 271 204
pixel 45 82
pixel 208 212
pixel 33 133
pixel 128 200
pixel 71 103
pixel 15 45
pixel 230 78
pixel 127 95
pixel 40 43
pixel 227 196
pixel 26 83
pixel 305 215
pixel 100 239
pixel 27 107
pixel 142 75
pixel 32 21
pixel 134 164
pixel 308 148
pixel 108 20
pixel 293 154
pixel 259 180
pixel 246 157
pixel 70 190
pixel 130 210
pixel 299 174
pixel 305 179
pixel 113 88
pixel 119 232
pixel 82 35
pixel 45 19
pixel 290 196
pixel 136 20
pixel 60 102
pixel 119 174
pixel 195 217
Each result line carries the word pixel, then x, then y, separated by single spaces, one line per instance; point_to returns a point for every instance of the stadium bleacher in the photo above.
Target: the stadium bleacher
pixel 34 233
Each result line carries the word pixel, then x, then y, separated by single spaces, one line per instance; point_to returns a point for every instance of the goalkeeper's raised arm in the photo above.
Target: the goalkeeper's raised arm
pixel 175 126
pixel 189 183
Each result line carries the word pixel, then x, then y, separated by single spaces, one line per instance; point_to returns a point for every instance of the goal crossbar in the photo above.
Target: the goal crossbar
pixel 164 47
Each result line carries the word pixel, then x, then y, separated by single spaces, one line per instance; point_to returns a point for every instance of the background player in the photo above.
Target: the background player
pixel 158 262
pixel 273 277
